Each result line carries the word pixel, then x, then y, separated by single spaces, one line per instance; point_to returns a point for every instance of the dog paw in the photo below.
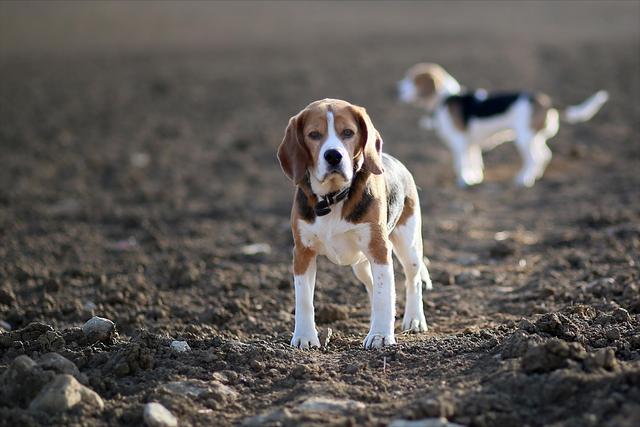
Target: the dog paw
pixel 525 180
pixel 375 340
pixel 414 324
pixel 305 341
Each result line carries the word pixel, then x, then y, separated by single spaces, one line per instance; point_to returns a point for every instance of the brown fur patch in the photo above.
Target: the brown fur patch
pixel 541 104
pixel 379 245
pixel 455 111
pixel 302 255
pixel 407 211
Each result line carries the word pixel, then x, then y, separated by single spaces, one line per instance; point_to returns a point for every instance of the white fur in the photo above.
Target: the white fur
pixel 485 133
pixel 319 185
pixel 586 110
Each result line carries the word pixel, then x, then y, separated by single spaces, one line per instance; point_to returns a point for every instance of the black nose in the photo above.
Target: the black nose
pixel 332 157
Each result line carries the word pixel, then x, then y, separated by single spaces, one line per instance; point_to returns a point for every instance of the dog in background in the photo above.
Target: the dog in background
pixel 354 205
pixel 474 121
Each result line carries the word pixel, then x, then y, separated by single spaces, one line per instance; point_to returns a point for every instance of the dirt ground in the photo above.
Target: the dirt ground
pixel 137 161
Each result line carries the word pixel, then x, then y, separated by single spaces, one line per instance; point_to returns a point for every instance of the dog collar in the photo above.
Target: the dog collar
pixel 322 207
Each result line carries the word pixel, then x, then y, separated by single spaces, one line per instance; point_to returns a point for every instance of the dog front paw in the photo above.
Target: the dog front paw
pixel 377 340
pixel 414 324
pixel 306 340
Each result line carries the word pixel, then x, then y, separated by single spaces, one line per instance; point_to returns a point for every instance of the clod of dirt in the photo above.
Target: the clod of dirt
pixel 7 297
pixel 621 315
pixel 502 249
pixel 325 336
pixel 180 346
pixel 59 364
pixel 552 355
pixel 197 388
pixel 33 337
pixel 22 381
pixel 427 422
pixel 64 393
pixel 327 404
pixel 99 329
pixel 129 360
pixel 518 343
pixel 329 313
pixel 436 408
pixel 605 358
pixel 156 415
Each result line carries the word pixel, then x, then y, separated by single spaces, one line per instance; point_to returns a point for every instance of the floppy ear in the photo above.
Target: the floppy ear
pixel 371 142
pixel 427 83
pixel 292 154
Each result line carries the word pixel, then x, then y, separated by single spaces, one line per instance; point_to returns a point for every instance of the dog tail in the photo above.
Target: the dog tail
pixel 587 109
pixel 424 276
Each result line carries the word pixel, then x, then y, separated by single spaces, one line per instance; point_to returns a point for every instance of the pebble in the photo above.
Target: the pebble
pixel 327 404
pixel 180 346
pixel 62 394
pixel 98 329
pixel 256 248
pixel 156 415
pixel 426 422
pixel 59 364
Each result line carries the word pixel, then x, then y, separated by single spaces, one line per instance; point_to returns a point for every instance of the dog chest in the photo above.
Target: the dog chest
pixel 335 238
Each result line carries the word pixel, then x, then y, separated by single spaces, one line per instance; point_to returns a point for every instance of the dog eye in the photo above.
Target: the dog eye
pixel 315 135
pixel 347 133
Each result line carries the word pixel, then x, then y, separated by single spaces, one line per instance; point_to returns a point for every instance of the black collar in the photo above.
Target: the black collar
pixel 322 207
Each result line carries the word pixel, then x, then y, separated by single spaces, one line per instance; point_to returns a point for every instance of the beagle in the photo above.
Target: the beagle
pixel 354 205
pixel 473 121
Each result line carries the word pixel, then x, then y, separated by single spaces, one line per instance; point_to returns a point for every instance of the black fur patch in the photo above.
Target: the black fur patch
pixel 473 105
pixel 305 210
pixel 362 207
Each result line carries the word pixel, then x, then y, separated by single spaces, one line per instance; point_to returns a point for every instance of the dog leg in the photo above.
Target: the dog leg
pixel 363 273
pixel 407 245
pixel 476 163
pixel 383 295
pixel 304 334
pixel 461 159
pixel 525 142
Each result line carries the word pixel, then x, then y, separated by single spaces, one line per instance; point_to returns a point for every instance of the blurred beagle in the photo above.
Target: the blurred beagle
pixel 352 204
pixel 470 122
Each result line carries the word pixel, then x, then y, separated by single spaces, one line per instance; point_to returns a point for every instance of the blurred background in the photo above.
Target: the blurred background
pixel 138 168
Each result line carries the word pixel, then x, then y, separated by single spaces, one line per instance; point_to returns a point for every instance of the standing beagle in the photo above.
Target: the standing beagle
pixel 354 205
pixel 470 122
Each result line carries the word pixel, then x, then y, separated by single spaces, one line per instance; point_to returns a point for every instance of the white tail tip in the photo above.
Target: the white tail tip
pixel 586 110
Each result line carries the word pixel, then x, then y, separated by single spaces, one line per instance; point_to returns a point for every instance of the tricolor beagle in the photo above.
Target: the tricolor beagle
pixel 352 204
pixel 470 122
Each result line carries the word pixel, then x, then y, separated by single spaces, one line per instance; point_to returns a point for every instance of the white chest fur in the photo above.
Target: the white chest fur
pixel 335 238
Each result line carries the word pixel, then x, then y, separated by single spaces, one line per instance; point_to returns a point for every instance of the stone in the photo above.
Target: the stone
pixel 180 346
pixel 156 415
pixel 98 329
pixel 64 393
pixel 22 381
pixel 426 422
pixel 327 404
pixel 59 364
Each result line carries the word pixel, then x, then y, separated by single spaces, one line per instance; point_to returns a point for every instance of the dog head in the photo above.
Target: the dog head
pixel 425 84
pixel 331 139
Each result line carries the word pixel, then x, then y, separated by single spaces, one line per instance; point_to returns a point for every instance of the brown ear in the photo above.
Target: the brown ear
pixel 292 154
pixel 371 142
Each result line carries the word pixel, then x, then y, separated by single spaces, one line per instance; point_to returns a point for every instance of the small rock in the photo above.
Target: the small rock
pixel 59 364
pixel 325 336
pixel 98 329
pixel 255 249
pixel 276 417
pixel 300 372
pixel 156 415
pixel 426 422
pixel 180 346
pixel 22 381
pixel 64 393
pixel 326 404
